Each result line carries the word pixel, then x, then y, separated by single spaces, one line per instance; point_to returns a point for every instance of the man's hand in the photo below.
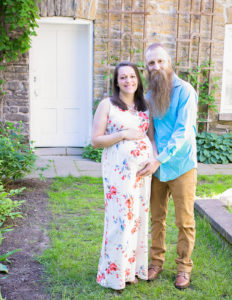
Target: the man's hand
pixel 150 168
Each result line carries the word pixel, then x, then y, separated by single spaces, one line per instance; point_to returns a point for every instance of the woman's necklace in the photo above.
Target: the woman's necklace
pixel 131 107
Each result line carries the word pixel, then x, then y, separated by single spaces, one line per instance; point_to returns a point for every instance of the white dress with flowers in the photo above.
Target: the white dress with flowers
pixel 124 253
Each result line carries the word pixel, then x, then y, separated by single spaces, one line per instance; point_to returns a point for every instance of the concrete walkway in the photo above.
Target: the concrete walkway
pixel 68 161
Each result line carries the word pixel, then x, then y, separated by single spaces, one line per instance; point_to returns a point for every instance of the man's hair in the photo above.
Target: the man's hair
pixel 155 46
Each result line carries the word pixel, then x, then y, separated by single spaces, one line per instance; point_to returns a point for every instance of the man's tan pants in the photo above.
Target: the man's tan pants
pixel 182 190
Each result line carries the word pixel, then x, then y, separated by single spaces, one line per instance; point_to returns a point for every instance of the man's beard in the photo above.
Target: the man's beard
pixel 160 84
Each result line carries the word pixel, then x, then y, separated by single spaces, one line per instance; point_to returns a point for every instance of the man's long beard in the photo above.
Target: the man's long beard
pixel 160 84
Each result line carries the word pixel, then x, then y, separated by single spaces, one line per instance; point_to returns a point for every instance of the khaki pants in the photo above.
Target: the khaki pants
pixel 182 190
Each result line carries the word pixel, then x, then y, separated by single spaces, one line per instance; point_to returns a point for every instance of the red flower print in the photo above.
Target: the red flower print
pixel 129 203
pixel 113 267
pixel 143 115
pixel 144 126
pixel 127 272
pixel 135 152
pixel 131 260
pixel 108 196
pixel 123 177
pixel 130 215
pixel 99 278
pixel 142 145
pixel 133 230
pixel 108 271
pixel 113 190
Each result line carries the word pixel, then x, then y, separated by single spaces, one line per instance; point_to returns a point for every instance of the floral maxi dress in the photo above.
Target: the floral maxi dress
pixel 124 253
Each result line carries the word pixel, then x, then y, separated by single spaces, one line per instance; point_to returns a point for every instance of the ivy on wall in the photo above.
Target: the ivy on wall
pixel 17 25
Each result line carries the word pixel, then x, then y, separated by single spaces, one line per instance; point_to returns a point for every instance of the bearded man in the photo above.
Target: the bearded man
pixel 174 106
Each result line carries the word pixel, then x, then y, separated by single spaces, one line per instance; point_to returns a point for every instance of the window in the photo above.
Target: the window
pixel 226 100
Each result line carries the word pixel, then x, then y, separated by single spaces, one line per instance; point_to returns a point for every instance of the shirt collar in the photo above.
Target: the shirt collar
pixel 176 80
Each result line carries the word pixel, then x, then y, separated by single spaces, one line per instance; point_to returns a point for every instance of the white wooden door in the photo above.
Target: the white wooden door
pixel 61 85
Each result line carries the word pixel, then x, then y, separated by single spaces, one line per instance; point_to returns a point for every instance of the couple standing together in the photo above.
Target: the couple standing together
pixel 142 138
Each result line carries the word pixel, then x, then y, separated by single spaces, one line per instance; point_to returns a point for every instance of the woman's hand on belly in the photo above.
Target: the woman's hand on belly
pixel 133 134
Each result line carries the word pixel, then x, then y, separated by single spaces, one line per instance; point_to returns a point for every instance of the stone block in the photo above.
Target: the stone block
pixel 229 15
pixel 13 109
pixel 16 117
pixel 23 109
pixel 13 86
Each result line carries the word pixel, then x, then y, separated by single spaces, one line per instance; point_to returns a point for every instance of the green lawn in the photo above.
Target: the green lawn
pixel 76 235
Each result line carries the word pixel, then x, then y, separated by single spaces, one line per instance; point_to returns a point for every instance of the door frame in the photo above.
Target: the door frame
pixel 89 102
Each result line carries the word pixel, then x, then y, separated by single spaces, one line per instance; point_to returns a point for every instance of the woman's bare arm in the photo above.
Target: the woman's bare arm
pixel 99 139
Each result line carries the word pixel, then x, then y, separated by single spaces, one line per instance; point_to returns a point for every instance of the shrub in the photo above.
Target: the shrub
pixel 7 206
pixel 92 153
pixel 4 256
pixel 16 156
pixel 213 148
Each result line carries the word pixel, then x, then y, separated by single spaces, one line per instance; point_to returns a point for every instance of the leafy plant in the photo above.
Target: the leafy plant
pixel 213 148
pixel 17 25
pixel 16 156
pixel 4 257
pixel 7 206
pixel 198 76
pixel 92 153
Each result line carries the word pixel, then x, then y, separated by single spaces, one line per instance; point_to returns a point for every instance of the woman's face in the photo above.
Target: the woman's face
pixel 127 80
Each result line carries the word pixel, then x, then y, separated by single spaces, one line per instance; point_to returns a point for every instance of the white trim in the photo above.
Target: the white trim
pixel 90 105
pixel 226 108
pixel 64 20
pixel 72 21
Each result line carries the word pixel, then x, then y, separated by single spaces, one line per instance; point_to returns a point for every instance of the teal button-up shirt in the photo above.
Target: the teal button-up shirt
pixel 175 132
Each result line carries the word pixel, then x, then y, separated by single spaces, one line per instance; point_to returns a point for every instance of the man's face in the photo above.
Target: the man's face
pixel 157 60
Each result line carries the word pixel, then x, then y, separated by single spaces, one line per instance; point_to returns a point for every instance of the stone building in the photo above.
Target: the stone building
pixel 54 86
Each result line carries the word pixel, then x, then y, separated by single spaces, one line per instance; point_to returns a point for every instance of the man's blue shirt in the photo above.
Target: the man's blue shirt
pixel 175 132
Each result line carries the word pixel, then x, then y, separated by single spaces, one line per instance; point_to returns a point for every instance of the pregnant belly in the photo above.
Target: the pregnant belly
pixel 137 151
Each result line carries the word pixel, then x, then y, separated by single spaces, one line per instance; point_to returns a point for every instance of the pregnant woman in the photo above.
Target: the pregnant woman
pixel 120 126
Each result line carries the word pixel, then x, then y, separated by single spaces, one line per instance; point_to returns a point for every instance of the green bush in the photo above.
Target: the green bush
pixel 7 206
pixel 213 148
pixel 92 153
pixel 16 156
pixel 4 256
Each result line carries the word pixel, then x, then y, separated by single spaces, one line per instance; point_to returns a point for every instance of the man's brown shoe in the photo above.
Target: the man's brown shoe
pixel 182 280
pixel 153 271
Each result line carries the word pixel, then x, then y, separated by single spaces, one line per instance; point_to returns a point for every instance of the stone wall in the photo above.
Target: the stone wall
pixel 15 103
pixel 161 26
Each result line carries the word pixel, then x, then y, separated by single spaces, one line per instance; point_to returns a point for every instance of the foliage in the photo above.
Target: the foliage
pixel 76 239
pixel 211 186
pixel 198 76
pixel 16 157
pixel 4 257
pixel 7 206
pixel 92 153
pixel 213 148
pixel 17 25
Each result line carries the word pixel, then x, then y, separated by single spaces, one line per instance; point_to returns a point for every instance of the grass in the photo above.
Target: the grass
pixel 76 234
pixel 210 186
